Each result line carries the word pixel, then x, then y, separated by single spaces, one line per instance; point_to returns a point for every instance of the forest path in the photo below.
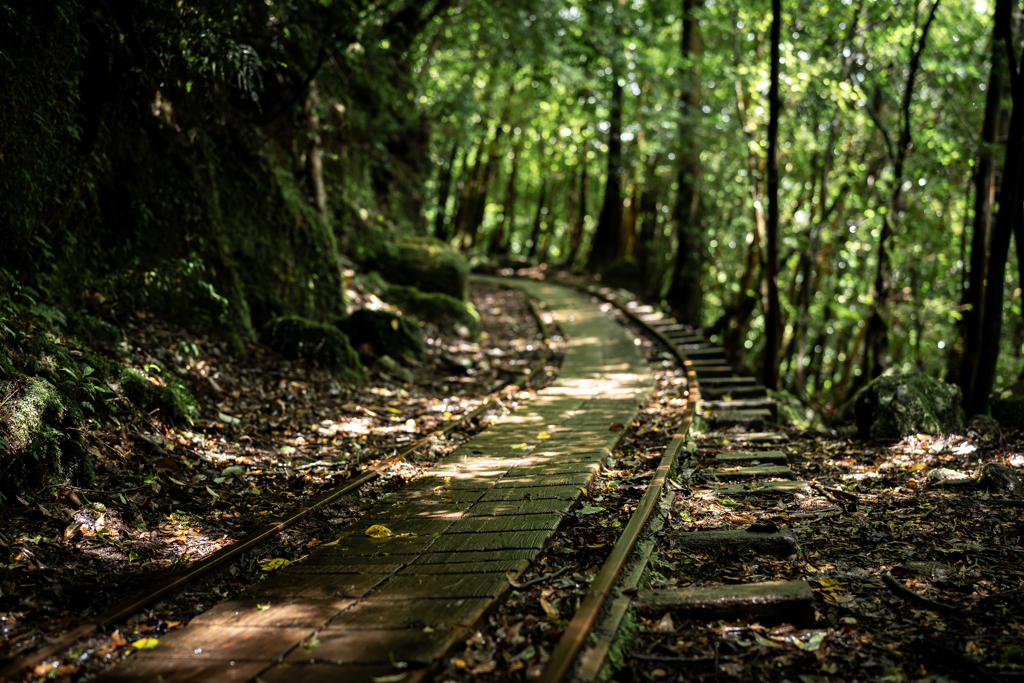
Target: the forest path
pixel 353 609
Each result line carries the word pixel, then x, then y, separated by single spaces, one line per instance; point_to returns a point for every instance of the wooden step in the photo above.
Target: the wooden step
pixel 739 473
pixel 754 457
pixel 713 371
pixel 774 602
pixel 736 392
pixel 743 404
pixel 780 543
pixel 759 437
pixel 768 489
pixel 750 419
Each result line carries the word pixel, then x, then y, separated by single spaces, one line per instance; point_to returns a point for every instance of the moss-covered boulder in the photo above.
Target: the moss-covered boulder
pixel 296 337
pixel 97 332
pixel 1008 406
pixel 448 313
pixel 40 439
pixel 901 404
pixel 793 412
pixel 170 396
pixel 428 264
pixel 387 333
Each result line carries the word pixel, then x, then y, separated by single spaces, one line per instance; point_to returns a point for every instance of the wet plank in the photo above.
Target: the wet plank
pixel 227 642
pixel 531 493
pixel 520 507
pixel 567 479
pixel 520 522
pixel 334 585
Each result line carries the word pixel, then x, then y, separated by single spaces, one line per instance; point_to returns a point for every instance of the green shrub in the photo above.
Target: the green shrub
pixel 173 398
pixel 388 334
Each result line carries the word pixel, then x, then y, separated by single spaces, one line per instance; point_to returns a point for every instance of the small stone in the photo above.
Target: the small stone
pixel 1000 479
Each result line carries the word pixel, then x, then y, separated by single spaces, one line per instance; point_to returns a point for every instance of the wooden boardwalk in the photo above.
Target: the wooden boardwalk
pixel 372 607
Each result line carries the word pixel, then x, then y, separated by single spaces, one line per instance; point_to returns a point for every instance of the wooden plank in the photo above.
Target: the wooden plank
pixel 751 391
pixel 420 526
pixel 437 613
pixel 352 545
pixel 531 493
pixel 287 612
pixel 433 510
pixel 496 566
pixel 519 507
pixel 768 489
pixel 778 544
pixel 505 523
pixel 774 602
pixel 333 672
pixel 375 647
pixel 495 541
pixel 415 587
pixel 227 642
pixel 454 558
pixel 766 471
pixel 566 479
pixel 753 457
pixel 175 670
pixel 323 586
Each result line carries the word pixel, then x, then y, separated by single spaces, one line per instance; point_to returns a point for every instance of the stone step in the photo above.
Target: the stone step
pixel 780 543
pixel 669 326
pixel 768 489
pixel 774 602
pixel 730 382
pixel 704 371
pixel 759 437
pixel 749 419
pixel 715 392
pixel 754 404
pixel 755 457
pixel 753 472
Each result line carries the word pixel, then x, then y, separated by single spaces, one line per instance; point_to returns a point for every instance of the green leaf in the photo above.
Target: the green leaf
pixel 591 510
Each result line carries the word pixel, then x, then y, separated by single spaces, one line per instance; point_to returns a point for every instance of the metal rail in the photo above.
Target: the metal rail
pixel 266 531
pixel 575 635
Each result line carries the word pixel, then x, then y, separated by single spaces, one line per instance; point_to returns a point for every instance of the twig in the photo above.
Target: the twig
pixel 541 579
pixel 905 592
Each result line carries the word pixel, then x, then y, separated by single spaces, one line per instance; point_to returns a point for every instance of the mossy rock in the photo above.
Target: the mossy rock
pixel 388 334
pixel 792 411
pixel 173 398
pixel 179 289
pixel 429 265
pixel 296 337
pixel 902 404
pixel 41 436
pixel 1008 406
pixel 447 312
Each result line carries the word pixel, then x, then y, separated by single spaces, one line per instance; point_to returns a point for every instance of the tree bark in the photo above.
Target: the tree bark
pixel 606 245
pixel 538 218
pixel 576 238
pixel 981 227
pixel 876 343
pixel 686 295
pixel 314 160
pixel 773 318
pixel 444 189
pixel 508 210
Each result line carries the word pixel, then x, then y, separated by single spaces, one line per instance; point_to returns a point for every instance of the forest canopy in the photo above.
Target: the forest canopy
pixel 227 162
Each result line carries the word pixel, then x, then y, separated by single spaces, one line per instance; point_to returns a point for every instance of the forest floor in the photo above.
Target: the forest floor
pixel 911 581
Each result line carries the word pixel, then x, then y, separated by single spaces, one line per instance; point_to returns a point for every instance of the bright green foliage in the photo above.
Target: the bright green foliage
pixel 447 312
pixel 295 337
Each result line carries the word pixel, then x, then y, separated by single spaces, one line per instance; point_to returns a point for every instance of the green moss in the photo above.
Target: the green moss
pixel 7 370
pixel 429 265
pixel 296 337
pixel 97 332
pixel 173 399
pixel 388 334
pixel 448 313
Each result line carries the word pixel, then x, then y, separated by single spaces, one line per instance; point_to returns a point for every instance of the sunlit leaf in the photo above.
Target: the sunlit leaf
pixel 378 531
pixel 276 563
pixel 145 643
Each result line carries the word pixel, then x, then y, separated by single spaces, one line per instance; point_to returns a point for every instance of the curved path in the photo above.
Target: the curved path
pixel 353 609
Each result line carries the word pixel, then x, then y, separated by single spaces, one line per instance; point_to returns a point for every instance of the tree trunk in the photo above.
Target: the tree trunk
pixel 444 189
pixel 470 175
pixel 647 215
pixel 606 247
pixel 773 319
pixel 981 228
pixel 508 209
pixel 576 238
pixel 685 294
pixel 538 218
pixel 314 161
pixel 876 343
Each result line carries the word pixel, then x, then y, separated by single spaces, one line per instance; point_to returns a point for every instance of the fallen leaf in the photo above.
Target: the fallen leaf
pixel 117 639
pixel 510 575
pixel 812 644
pixel 765 642
pixel 394 324
pixel 543 435
pixel 393 678
pixel 145 643
pixel 591 510
pixel 485 668
pixel 378 531
pixel 548 608
pixel 665 624
pixel 228 419
pixel 276 563
pixel 334 542
pixel 616 427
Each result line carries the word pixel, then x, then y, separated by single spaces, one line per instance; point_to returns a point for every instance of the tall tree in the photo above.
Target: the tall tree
pixel 686 293
pixel 773 319
pixel 608 236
